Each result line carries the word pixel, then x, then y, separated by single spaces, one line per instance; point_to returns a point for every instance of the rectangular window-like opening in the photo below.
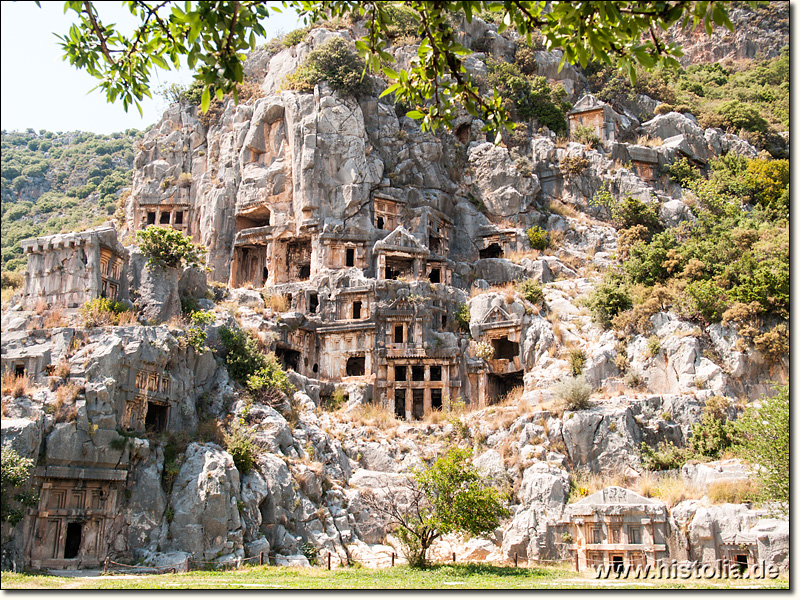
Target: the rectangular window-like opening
pixel 634 535
pixel 305 272
pixel 379 222
pixel 444 321
pixel 436 372
pixel 151 218
pixel 418 373
pixel 355 366
pixel 398 334
pixel 615 535
pixel 596 535
pixel 357 309
pixel 179 217
pixel 503 348
pixel 72 545
pixel 350 257
pixel 313 303
pixel 164 218
pixel 418 404
pixel 400 404
pixel 436 399
pixel 435 276
pixel 19 370
pixel 156 418
pixel 400 373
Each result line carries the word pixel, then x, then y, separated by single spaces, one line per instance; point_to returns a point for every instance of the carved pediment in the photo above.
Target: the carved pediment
pixel 400 240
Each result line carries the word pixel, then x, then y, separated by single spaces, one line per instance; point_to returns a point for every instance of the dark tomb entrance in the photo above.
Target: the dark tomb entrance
pixel 493 251
pixel 400 404
pixel 500 385
pixel 73 542
pixel 289 358
pixel 156 418
pixel 436 399
pixel 418 407
pixel 355 366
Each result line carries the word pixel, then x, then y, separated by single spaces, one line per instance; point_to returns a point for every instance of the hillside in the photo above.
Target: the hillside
pixel 58 182
pixel 589 308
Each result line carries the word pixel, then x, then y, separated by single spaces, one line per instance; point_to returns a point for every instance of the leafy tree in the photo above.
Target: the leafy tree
pixel 169 248
pixel 764 432
pixel 449 496
pixel 715 433
pixel 15 475
pixel 213 36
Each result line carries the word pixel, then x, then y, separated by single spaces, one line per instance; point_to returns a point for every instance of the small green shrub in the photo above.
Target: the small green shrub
pixel 538 237
pixel 270 376
pixel 663 457
pixel 683 172
pixel 609 299
pixel 577 360
pixel 196 335
pixel 714 434
pixel 15 474
pixel 584 134
pixel 631 212
pixel 240 444
pixel 336 400
pixel 531 290
pixel 573 165
pixel 653 345
pixel 462 317
pixel 574 392
pixel 241 354
pixel 334 62
pixel 101 312
pixel 169 248
pixel 295 37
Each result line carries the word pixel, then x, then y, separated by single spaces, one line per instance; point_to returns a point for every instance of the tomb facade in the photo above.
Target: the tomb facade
pixel 70 269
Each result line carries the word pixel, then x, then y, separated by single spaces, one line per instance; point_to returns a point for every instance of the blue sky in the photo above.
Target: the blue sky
pixel 42 91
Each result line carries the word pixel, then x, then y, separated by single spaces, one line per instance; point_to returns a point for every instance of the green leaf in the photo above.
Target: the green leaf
pixel 205 100
pixel 414 114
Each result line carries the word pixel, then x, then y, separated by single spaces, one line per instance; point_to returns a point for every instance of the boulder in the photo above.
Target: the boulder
pixel 206 519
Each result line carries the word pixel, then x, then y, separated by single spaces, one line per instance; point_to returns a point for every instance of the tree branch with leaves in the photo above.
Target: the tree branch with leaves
pixel 214 36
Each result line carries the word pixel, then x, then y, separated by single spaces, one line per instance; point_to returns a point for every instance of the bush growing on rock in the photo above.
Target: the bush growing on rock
pixel 683 172
pixel 609 299
pixel 334 62
pixel 584 134
pixel 531 290
pixel 462 317
pixel 241 445
pixel 169 248
pixel 241 353
pixel 574 392
pixel 269 378
pixel 715 433
pixel 663 457
pixel 101 312
pixel 538 237
pixel 573 165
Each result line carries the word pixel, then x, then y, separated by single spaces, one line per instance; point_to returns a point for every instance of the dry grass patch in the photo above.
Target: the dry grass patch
pixel 516 256
pixel 373 415
pixel 670 488
pixel 16 385
pixel 733 492
pixel 56 318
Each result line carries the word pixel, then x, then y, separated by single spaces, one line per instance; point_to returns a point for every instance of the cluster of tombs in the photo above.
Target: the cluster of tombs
pixel 371 306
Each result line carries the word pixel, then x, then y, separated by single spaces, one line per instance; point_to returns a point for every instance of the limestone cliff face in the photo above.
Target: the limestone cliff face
pixel 352 244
